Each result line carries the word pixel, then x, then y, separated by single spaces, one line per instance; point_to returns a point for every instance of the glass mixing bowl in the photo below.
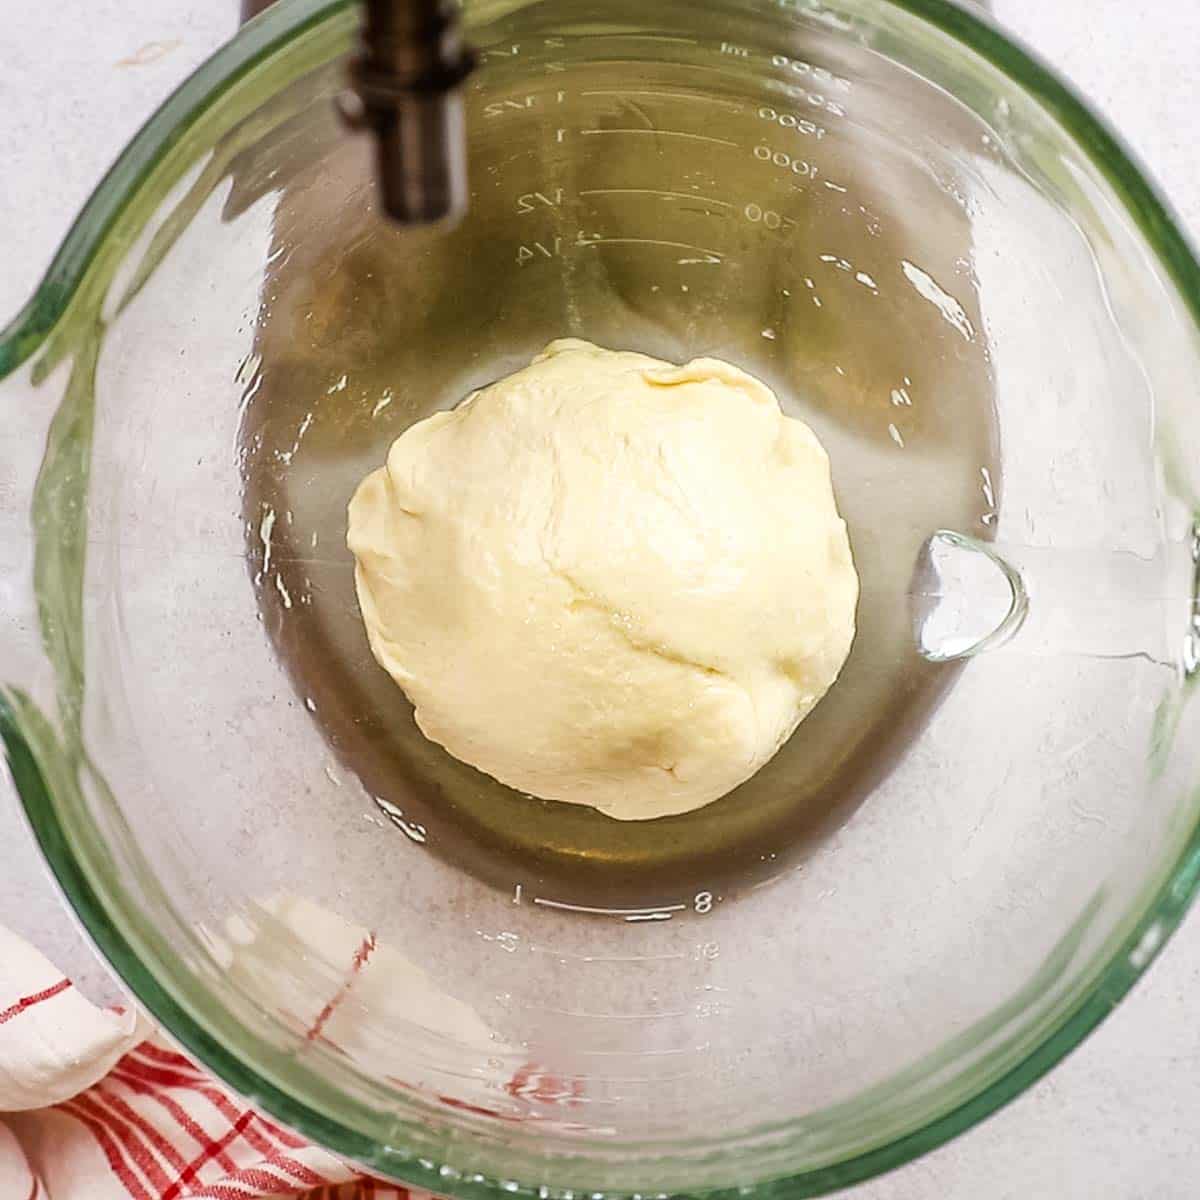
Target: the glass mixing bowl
pixel 966 855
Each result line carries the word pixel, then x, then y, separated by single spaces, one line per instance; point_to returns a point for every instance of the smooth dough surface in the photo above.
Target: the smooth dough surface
pixel 608 580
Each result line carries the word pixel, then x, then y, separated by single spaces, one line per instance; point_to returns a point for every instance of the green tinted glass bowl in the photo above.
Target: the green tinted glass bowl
pixel 966 856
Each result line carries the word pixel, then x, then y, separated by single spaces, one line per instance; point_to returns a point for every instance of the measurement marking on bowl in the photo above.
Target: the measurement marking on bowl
pixel 645 37
pixel 701 1049
pixel 645 1078
pixel 572 956
pixel 602 1016
pixel 656 192
pixel 730 105
pixel 608 912
pixel 714 257
pixel 679 133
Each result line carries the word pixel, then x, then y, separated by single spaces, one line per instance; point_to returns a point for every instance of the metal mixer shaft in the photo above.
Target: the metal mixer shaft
pixel 407 75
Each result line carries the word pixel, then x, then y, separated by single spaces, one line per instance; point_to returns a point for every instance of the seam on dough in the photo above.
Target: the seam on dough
pixel 581 597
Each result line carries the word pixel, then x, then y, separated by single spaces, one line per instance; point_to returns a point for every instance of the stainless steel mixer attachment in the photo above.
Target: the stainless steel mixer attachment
pixel 406 77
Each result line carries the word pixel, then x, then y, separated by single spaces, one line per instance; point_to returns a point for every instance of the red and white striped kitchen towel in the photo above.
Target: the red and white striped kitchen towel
pixel 93 1107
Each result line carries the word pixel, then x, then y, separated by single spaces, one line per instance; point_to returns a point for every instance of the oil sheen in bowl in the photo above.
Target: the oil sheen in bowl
pixel 673 219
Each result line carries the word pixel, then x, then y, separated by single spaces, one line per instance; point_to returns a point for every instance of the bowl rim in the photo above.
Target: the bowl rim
pixel 1131 956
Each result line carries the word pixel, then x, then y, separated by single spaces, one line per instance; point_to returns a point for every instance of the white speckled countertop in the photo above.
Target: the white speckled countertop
pixel 1117 1120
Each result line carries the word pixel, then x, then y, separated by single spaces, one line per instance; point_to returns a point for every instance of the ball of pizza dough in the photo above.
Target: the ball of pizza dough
pixel 608 580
